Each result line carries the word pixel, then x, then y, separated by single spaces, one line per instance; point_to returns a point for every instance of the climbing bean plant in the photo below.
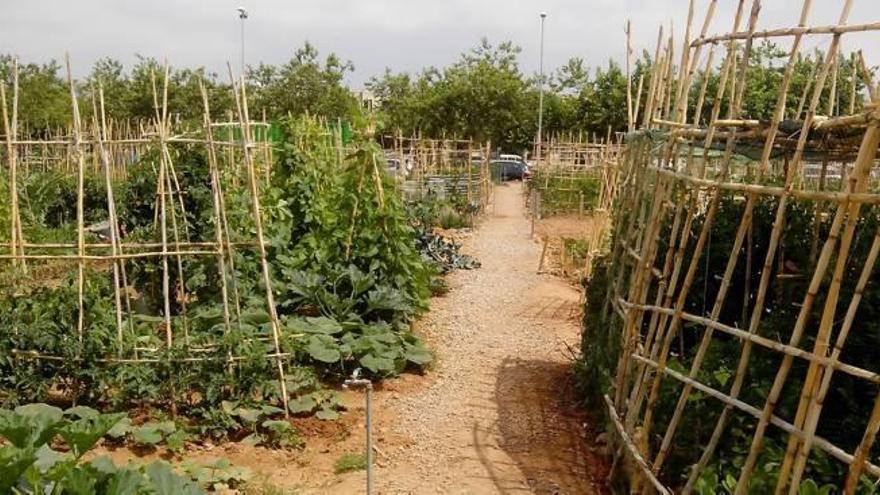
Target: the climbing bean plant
pixel 347 275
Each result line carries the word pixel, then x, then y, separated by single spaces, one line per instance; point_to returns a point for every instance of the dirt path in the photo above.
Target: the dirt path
pixel 497 415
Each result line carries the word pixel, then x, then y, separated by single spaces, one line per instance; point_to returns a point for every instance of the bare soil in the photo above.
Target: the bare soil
pixel 495 414
pixel 553 231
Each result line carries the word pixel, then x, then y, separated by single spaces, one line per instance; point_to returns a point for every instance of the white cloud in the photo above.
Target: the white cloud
pixel 402 34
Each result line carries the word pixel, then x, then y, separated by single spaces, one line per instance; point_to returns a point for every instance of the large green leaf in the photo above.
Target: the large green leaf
pixel 148 434
pixel 360 281
pixel 418 354
pixel 125 482
pixel 15 428
pixel 327 414
pixel 252 439
pixel 323 348
pixel 104 464
pixel 255 316
pixel 79 479
pixel 122 428
pixel 14 462
pixel 164 481
pixel 47 458
pixel 81 435
pixel 377 364
pixel 248 415
pixel 319 325
pixel 82 412
pixel 30 425
pixel 304 404
pixel 386 298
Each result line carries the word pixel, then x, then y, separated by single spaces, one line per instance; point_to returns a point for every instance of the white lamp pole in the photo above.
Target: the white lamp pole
pixel 540 93
pixel 242 14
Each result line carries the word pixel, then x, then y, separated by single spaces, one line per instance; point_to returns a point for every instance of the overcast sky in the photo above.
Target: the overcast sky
pixel 373 34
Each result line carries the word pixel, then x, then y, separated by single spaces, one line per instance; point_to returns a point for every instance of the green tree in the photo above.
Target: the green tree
pixel 602 102
pixel 571 78
pixel 44 96
pixel 304 85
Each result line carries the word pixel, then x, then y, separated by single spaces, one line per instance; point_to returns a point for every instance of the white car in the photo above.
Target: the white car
pixel 510 158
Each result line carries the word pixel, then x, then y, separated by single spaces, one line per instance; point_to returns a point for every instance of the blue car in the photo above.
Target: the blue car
pixel 504 170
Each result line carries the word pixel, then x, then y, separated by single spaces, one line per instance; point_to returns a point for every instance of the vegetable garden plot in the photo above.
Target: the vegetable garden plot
pixel 208 270
pixel 729 330
pixel 450 176
pixel 568 195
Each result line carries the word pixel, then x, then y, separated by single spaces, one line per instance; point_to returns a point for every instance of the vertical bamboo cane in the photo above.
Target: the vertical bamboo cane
pixel 241 106
pixel 80 227
pixel 769 406
pixel 100 135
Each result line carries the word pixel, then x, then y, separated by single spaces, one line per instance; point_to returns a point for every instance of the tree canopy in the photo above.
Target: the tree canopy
pixel 483 95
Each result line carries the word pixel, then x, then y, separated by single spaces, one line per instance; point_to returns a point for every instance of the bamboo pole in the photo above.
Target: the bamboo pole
pixel 240 95
pixel 757 439
pixel 216 193
pixel 80 221
pixel 630 117
pixel 654 82
pixel 837 30
pixel 101 126
pixel 10 129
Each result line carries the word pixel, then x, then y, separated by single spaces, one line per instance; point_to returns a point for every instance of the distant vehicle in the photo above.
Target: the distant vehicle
pixel 396 168
pixel 393 165
pixel 509 170
pixel 511 158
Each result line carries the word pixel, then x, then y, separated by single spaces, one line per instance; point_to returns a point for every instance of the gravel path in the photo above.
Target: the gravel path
pixel 497 417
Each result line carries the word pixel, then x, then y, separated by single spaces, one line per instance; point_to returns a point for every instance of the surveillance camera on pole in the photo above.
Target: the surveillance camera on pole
pixel 242 13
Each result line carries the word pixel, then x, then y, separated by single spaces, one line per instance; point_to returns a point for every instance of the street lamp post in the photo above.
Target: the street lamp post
pixel 242 14
pixel 540 93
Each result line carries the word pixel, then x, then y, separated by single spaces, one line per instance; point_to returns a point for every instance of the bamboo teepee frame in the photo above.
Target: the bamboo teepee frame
pixel 108 148
pixel 666 182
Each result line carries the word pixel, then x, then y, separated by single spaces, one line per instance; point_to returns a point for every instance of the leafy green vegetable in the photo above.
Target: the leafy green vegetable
pixel 32 466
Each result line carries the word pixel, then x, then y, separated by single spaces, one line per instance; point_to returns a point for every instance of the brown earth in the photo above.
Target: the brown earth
pixel 553 230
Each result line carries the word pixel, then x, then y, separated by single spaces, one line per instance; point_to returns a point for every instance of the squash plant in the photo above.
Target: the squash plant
pixel 348 275
pixel 44 454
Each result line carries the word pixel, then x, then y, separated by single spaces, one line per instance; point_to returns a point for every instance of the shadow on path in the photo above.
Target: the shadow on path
pixel 542 429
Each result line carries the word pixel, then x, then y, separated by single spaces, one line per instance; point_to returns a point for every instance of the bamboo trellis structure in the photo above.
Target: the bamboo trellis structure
pixel 449 167
pixel 567 158
pixel 677 169
pixel 94 144
pixel 576 176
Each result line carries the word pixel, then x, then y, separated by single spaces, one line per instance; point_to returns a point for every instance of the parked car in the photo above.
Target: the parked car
pixel 396 168
pixel 509 170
